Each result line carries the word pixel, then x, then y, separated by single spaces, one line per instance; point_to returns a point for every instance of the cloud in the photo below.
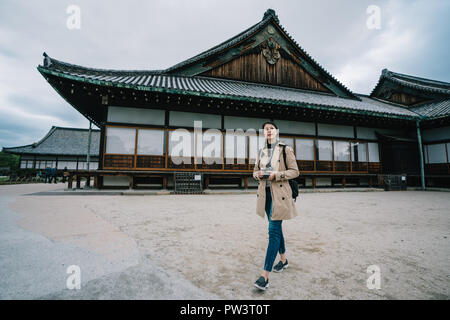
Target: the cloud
pixel 404 41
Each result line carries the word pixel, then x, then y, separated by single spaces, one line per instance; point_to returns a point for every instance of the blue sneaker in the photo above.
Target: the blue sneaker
pixel 261 283
pixel 281 266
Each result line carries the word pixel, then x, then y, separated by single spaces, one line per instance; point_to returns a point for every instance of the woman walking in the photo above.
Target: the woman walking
pixel 274 197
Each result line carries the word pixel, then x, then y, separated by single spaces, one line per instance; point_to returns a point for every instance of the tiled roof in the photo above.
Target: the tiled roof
pixel 228 43
pixel 62 141
pixel 414 82
pixel 434 110
pixel 240 90
pixel 269 16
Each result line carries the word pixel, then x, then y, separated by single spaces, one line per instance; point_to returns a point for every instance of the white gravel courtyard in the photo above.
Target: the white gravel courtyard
pixel 213 246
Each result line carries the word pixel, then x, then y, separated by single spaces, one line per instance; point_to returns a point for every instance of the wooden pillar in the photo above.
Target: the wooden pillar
pixel 96 182
pixel 207 182
pixel 164 182
pixel 246 182
pixel 131 182
pixel 370 182
pixel 314 182
pixel 78 181
pixel 69 182
pixel 88 181
pixel 343 182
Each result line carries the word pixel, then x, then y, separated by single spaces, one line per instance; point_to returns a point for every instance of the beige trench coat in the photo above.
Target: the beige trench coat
pixel 283 204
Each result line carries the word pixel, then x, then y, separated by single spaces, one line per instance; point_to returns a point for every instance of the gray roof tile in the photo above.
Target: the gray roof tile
pixel 434 110
pixel 251 91
pixel 62 141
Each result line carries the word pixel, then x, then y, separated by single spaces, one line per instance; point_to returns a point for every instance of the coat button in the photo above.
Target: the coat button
pixel 281 185
pixel 282 198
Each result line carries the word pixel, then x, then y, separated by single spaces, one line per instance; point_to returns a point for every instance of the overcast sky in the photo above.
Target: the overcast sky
pixel 414 39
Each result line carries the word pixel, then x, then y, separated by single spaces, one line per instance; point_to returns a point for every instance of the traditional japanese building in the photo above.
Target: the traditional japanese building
pixel 339 137
pixel 60 148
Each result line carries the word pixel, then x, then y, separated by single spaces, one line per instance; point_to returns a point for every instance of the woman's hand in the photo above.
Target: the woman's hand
pixel 260 174
pixel 272 176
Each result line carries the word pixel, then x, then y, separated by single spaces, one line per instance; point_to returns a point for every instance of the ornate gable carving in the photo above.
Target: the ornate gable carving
pixel 270 51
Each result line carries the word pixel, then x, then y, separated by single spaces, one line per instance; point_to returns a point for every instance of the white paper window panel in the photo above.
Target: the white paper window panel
pixel 325 150
pixel 436 153
pixel 288 141
pixel 341 150
pixel 243 123
pixel 46 164
pixel 72 165
pixel 209 144
pixel 436 134
pixel 296 127
pixel 136 115
pixel 256 143
pixel 29 164
pixel 332 130
pixel 361 149
pixel 62 164
pixel 150 142
pixel 304 149
pixel 120 140
pixel 93 165
pixel 374 155
pixel 83 165
pixel 42 164
pixel 23 164
pixel 186 119
pixel 50 164
pixel 181 143
pixel 236 146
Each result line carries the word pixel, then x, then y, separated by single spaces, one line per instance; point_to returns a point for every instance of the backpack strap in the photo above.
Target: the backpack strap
pixel 284 157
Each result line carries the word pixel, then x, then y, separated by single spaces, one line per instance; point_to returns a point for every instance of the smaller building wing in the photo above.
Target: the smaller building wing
pixel 409 90
pixel 61 141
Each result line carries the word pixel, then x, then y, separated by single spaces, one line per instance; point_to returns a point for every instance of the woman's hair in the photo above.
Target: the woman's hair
pixel 269 122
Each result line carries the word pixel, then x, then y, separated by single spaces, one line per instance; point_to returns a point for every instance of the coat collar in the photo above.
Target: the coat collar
pixel 279 143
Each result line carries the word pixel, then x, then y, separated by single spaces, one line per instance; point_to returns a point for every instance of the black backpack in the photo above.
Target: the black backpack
pixel 292 182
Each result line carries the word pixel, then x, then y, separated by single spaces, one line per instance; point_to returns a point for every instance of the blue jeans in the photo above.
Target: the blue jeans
pixel 276 239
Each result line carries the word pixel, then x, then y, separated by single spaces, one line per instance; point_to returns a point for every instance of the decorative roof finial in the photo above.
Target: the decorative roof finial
pixel 271 12
pixel 47 60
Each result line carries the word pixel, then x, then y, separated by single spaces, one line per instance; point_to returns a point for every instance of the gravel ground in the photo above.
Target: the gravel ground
pixel 213 246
